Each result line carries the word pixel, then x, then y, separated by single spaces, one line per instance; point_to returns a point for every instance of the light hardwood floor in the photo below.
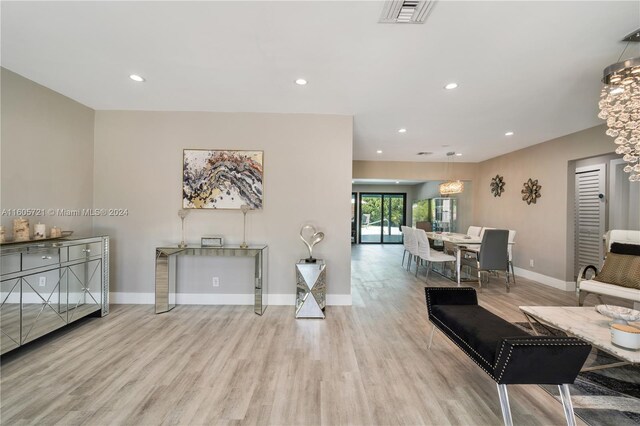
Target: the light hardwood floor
pixel 367 364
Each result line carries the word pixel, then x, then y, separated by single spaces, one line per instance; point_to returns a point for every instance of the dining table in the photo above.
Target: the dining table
pixel 459 241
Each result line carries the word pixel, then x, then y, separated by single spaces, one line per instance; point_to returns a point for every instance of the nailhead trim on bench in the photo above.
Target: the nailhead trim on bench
pixel 506 363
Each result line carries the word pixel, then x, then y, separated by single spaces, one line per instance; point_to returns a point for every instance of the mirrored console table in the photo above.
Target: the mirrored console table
pixel 166 271
pixel 49 284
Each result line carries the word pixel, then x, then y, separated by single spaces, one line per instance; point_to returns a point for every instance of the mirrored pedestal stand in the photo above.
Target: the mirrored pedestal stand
pixel 311 292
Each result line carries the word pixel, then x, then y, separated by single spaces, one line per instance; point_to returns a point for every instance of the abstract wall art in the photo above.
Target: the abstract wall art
pixel 222 179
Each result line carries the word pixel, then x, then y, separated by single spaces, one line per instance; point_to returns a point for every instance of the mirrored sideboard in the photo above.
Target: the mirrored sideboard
pixel 46 285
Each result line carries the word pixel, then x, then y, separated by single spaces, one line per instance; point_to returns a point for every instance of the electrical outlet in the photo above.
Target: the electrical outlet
pixel 43 281
pixel 216 282
pixel 531 263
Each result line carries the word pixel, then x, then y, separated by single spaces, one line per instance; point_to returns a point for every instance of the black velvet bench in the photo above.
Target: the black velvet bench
pixel 506 353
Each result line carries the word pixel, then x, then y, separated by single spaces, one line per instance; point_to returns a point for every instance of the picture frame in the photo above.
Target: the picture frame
pixel 222 179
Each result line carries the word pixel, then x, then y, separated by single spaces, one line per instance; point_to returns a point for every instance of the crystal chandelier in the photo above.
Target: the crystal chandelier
pixel 451 186
pixel 620 106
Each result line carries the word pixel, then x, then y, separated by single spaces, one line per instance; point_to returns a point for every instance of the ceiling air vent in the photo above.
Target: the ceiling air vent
pixel 405 12
pixel 424 153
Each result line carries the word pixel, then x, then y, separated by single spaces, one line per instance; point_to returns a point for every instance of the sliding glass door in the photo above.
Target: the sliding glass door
pixel 370 218
pixel 393 207
pixel 381 216
pixel 354 215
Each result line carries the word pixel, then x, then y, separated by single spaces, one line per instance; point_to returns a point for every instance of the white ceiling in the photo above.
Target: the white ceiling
pixel 530 67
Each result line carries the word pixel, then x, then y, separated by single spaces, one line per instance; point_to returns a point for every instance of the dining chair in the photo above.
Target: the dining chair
pixel 479 234
pixel 474 231
pixel 483 230
pixel 403 229
pixel 410 245
pixel 427 254
pixel 512 239
pixel 493 254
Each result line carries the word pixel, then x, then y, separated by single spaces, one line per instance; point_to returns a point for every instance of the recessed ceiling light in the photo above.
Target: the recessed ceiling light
pixel 459 154
pixel 136 77
pixel 451 86
pixel 379 151
pixel 509 134
pixel 301 82
pixel 402 130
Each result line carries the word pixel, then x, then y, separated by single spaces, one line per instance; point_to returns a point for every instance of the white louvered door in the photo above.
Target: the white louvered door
pixel 590 215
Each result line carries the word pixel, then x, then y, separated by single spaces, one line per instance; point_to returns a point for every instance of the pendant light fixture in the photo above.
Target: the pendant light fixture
pixel 451 187
pixel 620 106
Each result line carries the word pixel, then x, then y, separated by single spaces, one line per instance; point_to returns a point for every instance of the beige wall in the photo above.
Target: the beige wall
pixel 406 170
pixel 408 189
pixel 545 229
pixel 138 166
pixel 46 154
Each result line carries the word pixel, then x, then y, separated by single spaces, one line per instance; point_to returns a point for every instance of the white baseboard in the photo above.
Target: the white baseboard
pixel 118 298
pixel 214 299
pixel 546 280
pixel 121 298
pixel 280 299
pixel 339 300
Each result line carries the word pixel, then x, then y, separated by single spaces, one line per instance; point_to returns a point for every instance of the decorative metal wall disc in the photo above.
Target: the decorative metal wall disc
pixel 531 191
pixel 497 186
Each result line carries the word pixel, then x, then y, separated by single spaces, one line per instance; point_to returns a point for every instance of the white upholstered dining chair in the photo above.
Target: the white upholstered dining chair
pixel 474 231
pixel 427 254
pixel 410 244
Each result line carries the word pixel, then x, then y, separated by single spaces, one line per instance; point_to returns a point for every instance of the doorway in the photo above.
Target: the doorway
pixel 590 197
pixel 381 216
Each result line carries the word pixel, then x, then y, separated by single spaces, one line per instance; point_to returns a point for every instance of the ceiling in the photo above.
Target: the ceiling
pixel 530 67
